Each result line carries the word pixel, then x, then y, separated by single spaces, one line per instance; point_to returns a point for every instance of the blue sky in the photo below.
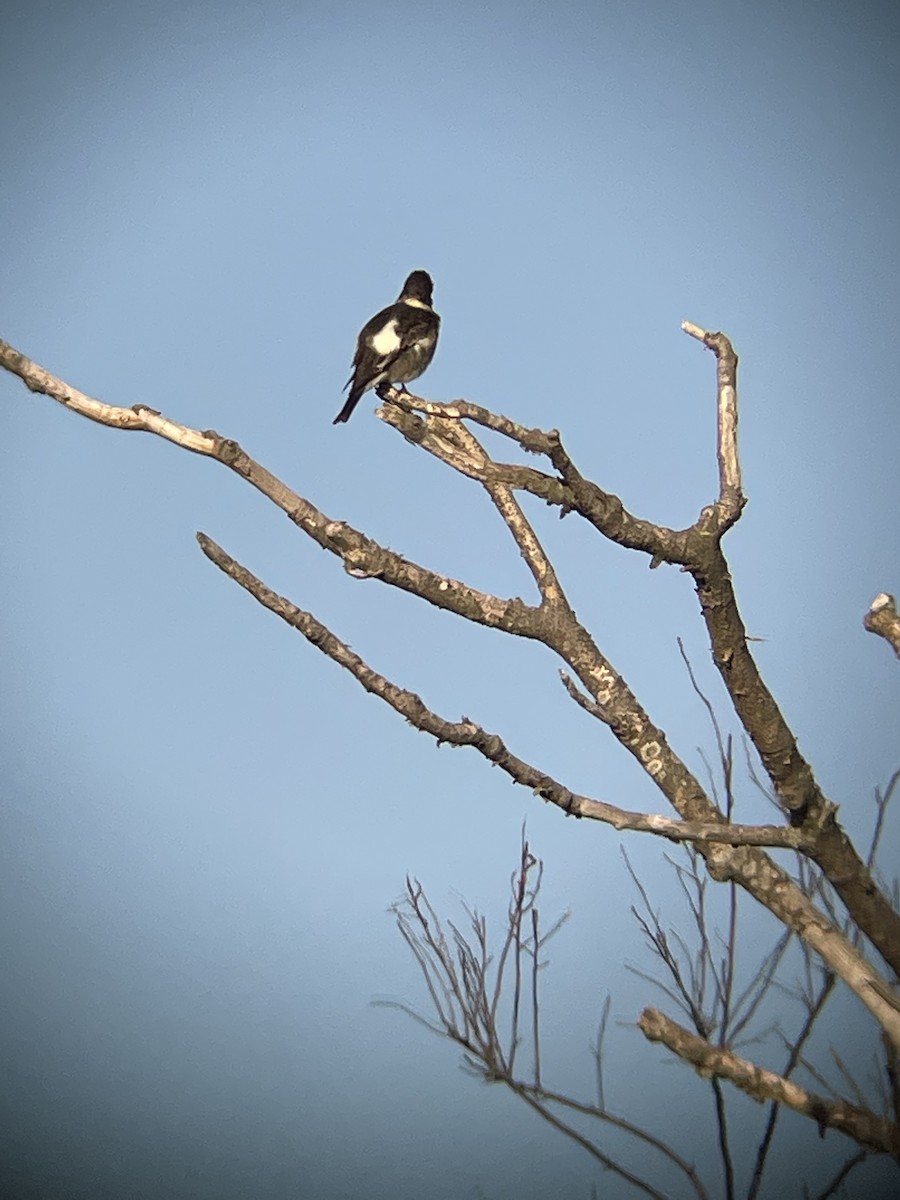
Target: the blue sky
pixel 204 821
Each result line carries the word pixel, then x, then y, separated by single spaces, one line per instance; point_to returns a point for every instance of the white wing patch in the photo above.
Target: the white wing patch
pixel 386 341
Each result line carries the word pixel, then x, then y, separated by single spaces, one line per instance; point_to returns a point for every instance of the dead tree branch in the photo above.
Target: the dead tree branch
pixel 862 1125
pixel 882 618
pixel 466 733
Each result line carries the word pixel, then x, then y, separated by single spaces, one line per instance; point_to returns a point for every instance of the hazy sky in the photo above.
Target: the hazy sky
pixel 203 820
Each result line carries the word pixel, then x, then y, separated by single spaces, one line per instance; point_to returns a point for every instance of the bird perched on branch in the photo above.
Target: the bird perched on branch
pixel 396 345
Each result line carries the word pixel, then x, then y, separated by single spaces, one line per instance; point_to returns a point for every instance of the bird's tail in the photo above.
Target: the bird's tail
pixel 351 402
pixel 344 414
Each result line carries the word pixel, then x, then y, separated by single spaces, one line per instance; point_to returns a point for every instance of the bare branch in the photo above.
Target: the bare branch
pixel 861 1124
pixel 601 1113
pixel 882 801
pixel 532 1099
pixel 558 628
pixel 452 443
pixel 841 1175
pixel 597 1050
pixel 524 894
pixel 139 419
pixel 535 441
pixel 535 1000
pixel 722 1132
pixel 791 775
pixel 747 1004
pixel 688 996
pixel 411 706
pixel 467 733
pixel 882 618
pixel 723 745
pixel 569 491
pixel 760 715
pixel 814 1008
pixel 731 500
pixel 363 558
pixel 892 1070
pixel 848 1077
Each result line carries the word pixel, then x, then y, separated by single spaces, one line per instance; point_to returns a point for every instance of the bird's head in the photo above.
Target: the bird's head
pixel 419 287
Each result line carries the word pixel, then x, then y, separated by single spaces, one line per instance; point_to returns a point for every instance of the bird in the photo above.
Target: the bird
pixel 396 345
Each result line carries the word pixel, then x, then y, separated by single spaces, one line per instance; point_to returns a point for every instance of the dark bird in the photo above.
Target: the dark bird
pixel 396 345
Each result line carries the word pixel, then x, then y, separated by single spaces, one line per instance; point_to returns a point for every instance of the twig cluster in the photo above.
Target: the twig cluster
pixel 467 986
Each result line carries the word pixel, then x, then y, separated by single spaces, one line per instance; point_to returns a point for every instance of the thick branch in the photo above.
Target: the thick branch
pixel 882 619
pixel 362 557
pixel 556 624
pixel 569 491
pixel 790 773
pixel 490 745
pixel 140 418
pixel 455 446
pixel 864 1126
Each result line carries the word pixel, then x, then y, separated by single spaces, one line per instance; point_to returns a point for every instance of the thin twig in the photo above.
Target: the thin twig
pixel 535 1007
pixel 841 1175
pixel 598 1050
pixel 794 1057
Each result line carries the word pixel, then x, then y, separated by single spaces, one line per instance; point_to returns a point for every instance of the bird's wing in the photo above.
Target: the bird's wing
pixel 385 338
pixel 423 325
